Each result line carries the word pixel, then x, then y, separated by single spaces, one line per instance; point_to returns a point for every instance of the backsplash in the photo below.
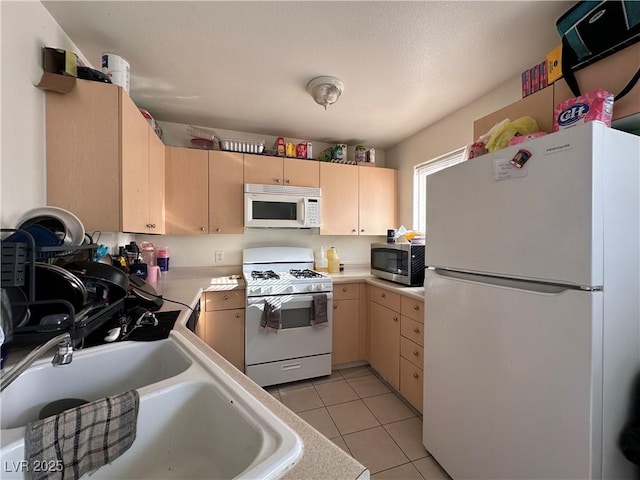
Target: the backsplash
pixel 192 251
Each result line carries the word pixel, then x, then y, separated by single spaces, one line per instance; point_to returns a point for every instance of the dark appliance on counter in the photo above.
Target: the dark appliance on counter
pixel 398 262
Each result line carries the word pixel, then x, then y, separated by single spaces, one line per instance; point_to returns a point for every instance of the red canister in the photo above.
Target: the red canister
pixel 301 150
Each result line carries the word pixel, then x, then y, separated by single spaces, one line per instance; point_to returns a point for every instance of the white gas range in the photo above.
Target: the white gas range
pixel 295 343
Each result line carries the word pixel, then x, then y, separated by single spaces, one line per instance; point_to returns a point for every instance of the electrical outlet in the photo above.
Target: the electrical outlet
pixel 219 257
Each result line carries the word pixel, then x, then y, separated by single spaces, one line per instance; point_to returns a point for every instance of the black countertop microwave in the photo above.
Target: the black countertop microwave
pixel 398 262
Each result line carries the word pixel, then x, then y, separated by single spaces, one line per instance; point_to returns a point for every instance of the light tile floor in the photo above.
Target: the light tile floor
pixel 359 413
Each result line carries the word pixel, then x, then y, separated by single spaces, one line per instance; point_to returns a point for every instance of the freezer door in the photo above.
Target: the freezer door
pixel 545 225
pixel 512 380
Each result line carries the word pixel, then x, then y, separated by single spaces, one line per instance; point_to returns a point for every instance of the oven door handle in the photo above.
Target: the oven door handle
pixel 291 302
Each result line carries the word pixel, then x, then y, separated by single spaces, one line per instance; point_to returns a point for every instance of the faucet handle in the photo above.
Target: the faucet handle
pixel 65 353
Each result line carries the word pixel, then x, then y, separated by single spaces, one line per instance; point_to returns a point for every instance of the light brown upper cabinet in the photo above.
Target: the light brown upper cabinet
pixel 339 184
pixel 187 183
pixel 226 192
pixel 204 191
pixel 377 200
pixel 281 171
pixel 358 200
pixel 104 163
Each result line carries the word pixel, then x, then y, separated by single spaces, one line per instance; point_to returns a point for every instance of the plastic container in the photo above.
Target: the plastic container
pixel 199 132
pixel 148 252
pixel 162 258
pixel 333 260
pixel 322 264
pixel 117 69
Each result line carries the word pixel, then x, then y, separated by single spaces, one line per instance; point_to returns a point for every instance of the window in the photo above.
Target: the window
pixel 420 173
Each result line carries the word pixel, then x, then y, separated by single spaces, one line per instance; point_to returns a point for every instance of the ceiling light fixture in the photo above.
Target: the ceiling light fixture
pixel 325 90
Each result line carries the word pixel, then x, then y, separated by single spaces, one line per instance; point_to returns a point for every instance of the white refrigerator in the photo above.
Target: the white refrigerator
pixel 532 317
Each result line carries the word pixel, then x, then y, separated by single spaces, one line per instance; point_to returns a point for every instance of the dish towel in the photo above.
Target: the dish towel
pixel 271 318
pixel 319 316
pixel 82 439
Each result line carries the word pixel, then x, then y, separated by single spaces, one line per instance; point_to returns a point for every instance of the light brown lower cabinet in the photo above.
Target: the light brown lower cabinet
pixel 396 339
pixel 384 345
pixel 222 325
pixel 411 378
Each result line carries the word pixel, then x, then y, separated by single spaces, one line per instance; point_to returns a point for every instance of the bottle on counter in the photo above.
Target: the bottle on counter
pixel 321 261
pixel 333 260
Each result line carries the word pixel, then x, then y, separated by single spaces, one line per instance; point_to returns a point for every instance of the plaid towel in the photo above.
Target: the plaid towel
pixel 319 316
pixel 82 439
pixel 271 318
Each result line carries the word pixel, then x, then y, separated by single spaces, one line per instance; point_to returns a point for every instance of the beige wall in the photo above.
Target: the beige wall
pixel 26 28
pixel 444 136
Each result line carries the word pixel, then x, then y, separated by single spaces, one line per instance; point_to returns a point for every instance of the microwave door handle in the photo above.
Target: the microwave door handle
pixel 302 209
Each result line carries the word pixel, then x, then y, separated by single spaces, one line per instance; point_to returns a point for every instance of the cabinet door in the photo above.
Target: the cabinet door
pixel 262 169
pixel 156 184
pixel 378 200
pixel 346 331
pixel 224 332
pixel 83 154
pixel 226 192
pixel 385 342
pixel 187 183
pixel 339 184
pixel 411 383
pixel 301 173
pixel 135 167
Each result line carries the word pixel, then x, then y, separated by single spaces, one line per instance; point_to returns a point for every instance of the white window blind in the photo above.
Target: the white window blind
pixel 420 173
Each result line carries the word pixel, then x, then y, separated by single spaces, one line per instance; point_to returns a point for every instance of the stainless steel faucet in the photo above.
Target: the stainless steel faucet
pixel 63 356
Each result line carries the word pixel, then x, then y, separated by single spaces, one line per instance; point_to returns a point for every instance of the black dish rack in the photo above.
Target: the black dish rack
pixel 19 270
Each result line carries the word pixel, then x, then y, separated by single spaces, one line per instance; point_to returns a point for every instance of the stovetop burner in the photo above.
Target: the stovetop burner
pixel 264 275
pixel 306 273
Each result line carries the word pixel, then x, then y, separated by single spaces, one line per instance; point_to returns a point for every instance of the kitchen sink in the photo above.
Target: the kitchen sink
pixel 94 373
pixel 194 420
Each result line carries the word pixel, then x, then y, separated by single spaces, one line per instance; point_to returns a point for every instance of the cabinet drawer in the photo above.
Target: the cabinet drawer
pixel 386 298
pixel 411 378
pixel 412 308
pixel 412 330
pixel 412 352
pixel 346 291
pixel 224 300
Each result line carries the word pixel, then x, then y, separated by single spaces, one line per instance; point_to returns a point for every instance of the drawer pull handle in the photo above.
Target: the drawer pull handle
pixel 202 229
pixel 344 289
pixel 237 315
pixel 225 297
pixel 415 352
pixel 416 330
pixel 416 307
pixel 335 305
pixel 382 295
pixel 415 375
pixel 395 319
pixel 218 229
pixel 291 366
pixel 277 180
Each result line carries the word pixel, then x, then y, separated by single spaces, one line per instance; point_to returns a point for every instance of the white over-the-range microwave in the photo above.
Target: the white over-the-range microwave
pixel 279 206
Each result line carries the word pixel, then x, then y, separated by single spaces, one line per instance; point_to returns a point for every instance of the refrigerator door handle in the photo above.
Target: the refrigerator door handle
pixel 528 285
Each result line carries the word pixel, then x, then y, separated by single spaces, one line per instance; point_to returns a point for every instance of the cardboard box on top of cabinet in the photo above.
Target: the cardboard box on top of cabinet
pixel 554 64
pixel 538 105
pixel 60 70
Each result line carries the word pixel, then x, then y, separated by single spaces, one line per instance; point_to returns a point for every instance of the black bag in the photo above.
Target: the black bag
pixel 592 30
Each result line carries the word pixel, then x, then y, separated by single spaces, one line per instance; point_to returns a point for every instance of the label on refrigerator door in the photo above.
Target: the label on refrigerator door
pixel 504 170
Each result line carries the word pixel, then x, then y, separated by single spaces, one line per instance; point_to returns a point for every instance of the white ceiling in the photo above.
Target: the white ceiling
pixel 245 65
